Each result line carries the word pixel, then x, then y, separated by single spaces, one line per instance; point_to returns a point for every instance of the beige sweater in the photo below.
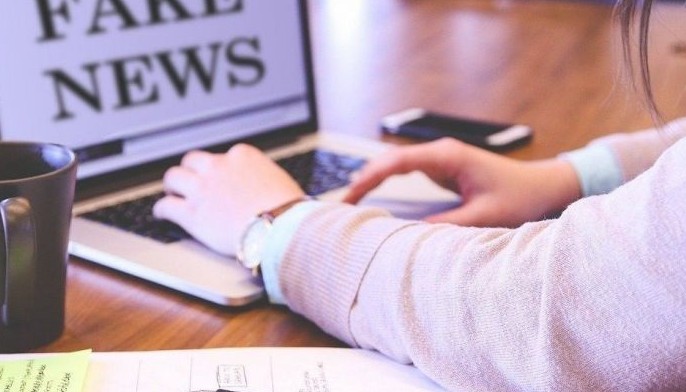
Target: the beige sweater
pixel 593 300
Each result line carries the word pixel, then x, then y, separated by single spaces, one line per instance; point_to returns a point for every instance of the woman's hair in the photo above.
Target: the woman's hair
pixel 628 12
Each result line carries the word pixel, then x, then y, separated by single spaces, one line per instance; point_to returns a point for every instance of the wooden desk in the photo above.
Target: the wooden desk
pixel 548 64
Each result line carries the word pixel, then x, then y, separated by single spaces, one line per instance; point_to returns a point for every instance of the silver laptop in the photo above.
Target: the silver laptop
pixel 132 87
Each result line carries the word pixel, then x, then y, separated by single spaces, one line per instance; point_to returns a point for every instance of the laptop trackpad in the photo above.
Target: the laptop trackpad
pixel 411 196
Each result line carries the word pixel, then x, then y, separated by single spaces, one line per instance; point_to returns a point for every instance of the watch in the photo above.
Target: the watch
pixel 253 240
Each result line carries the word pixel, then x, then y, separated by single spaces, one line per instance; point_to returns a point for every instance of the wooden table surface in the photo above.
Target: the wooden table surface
pixel 553 65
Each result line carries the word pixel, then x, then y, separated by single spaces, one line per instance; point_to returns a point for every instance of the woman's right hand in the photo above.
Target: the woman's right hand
pixel 215 196
pixel 495 190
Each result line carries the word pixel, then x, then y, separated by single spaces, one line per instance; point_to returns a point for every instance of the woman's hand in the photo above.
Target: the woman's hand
pixel 214 196
pixel 496 191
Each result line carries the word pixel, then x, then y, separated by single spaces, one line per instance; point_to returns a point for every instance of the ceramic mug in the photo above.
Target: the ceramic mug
pixel 37 183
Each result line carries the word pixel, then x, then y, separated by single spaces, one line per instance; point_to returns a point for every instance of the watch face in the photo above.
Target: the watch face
pixel 253 243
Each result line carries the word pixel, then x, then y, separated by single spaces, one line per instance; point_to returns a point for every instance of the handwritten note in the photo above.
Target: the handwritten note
pixel 54 373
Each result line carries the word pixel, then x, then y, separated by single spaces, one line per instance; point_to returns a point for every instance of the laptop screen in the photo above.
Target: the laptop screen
pixel 124 82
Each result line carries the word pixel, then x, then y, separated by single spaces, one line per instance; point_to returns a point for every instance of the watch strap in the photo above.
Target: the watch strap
pixel 275 212
pixel 247 258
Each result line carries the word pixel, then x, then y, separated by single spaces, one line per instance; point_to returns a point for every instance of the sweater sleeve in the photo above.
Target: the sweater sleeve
pixel 593 300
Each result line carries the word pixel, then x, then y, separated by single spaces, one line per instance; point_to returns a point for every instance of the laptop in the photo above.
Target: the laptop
pixel 132 85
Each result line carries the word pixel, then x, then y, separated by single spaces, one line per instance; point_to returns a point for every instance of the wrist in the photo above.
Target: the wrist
pixel 596 169
pixel 253 240
pixel 569 185
pixel 561 183
pixel 281 236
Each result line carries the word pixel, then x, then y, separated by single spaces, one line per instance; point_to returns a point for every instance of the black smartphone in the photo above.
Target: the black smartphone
pixel 426 125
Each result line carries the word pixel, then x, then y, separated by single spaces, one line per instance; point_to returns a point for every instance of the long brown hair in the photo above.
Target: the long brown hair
pixel 628 12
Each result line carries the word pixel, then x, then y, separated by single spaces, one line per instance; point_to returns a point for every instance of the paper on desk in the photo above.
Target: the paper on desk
pixel 252 369
pixel 58 373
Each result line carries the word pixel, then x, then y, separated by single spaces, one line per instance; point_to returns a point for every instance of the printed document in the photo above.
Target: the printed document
pixel 250 370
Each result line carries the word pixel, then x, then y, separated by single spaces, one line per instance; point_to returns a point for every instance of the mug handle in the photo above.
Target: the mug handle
pixel 17 261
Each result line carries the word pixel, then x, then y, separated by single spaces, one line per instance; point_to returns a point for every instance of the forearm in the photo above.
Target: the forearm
pixel 321 270
pixel 536 307
pixel 570 304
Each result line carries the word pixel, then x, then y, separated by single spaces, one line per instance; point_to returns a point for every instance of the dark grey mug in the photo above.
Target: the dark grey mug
pixel 36 196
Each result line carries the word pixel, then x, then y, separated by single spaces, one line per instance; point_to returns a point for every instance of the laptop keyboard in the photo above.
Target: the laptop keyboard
pixel 316 171
pixel 319 171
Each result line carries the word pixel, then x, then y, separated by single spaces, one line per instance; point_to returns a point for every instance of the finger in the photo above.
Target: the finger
pixel 175 209
pixel 424 157
pixel 358 188
pixel 181 181
pixel 373 174
pixel 198 161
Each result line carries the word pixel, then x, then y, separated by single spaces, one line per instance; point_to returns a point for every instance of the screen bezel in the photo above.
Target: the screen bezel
pixel 140 173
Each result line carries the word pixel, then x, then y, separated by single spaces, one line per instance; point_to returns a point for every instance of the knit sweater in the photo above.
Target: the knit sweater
pixel 592 300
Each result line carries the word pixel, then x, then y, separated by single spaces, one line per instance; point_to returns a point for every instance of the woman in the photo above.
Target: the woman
pixel 594 299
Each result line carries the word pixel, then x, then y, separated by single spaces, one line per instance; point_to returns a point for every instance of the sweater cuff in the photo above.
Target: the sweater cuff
pixel 597 169
pixel 277 241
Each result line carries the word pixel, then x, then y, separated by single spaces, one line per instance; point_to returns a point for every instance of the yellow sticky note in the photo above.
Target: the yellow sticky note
pixel 45 373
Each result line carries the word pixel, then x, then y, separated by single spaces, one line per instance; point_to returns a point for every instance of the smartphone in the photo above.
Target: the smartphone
pixel 426 125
